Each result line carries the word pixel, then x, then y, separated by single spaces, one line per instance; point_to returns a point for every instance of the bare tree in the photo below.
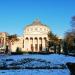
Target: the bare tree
pixel 70 36
pixel 73 24
pixel 53 41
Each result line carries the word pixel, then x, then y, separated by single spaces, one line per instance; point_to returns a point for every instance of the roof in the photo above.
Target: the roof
pixel 37 22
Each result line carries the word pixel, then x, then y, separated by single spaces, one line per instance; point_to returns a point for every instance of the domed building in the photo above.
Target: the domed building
pixel 34 38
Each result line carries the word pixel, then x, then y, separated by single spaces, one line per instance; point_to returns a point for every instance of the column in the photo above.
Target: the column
pixel 43 44
pixel 24 43
pixel 29 45
pixel 33 44
pixel 38 45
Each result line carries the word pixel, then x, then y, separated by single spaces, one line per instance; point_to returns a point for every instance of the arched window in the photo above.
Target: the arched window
pixel 26 38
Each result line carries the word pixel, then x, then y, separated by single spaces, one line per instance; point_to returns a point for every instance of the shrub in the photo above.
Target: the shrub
pixel 6 50
pixel 18 51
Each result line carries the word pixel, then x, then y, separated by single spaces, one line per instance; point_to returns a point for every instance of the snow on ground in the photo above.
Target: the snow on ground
pixel 34 72
pixel 54 58
pixel 51 59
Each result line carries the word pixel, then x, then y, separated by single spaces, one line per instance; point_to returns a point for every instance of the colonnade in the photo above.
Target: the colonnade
pixel 35 44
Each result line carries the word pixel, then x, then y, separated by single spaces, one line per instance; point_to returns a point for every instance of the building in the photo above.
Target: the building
pixel 34 38
pixel 3 42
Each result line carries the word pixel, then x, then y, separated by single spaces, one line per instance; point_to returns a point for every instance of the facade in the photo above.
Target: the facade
pixel 3 36
pixel 34 38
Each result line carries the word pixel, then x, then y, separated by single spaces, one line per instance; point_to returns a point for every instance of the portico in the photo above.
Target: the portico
pixel 35 44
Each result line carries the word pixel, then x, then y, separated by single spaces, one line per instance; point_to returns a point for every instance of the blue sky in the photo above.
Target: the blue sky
pixel 16 14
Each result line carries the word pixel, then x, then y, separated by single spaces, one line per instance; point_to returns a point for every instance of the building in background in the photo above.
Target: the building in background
pixel 3 41
pixel 34 38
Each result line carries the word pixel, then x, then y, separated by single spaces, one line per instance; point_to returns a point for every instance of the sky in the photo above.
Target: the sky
pixel 16 14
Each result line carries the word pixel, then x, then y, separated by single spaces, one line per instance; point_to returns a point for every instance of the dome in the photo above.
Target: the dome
pixel 37 22
pixel 36 28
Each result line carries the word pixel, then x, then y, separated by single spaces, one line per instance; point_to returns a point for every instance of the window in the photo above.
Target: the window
pixel 40 28
pixel 27 29
pixel 35 28
pixel 44 29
